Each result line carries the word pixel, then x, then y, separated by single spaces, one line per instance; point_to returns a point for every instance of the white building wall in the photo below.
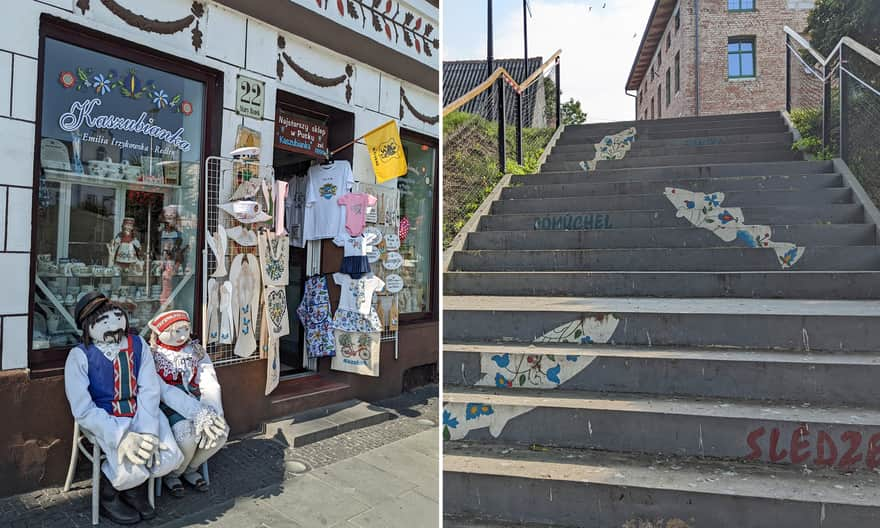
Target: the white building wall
pixel 232 43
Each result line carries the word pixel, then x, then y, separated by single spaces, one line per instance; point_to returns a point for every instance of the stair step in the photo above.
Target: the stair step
pixel 719 118
pixel 602 218
pixel 566 487
pixel 750 284
pixel 790 324
pixel 676 148
pixel 815 258
pixel 682 426
pixel 670 237
pixel 640 202
pixel 709 170
pixel 706 141
pixel 683 159
pixel 676 130
pixel 694 372
pixel 752 183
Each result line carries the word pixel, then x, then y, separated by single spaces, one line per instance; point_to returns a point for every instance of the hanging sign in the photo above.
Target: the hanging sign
pixel 393 283
pixel 392 242
pixel 393 260
pixel 249 97
pixel 296 133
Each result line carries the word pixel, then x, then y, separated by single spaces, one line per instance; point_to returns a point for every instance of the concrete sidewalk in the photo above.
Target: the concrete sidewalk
pixel 396 485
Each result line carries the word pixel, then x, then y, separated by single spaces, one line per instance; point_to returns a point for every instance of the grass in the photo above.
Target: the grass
pixel 470 164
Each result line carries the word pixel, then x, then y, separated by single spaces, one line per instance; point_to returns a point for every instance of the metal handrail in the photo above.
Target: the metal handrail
pixel 498 73
pixel 850 43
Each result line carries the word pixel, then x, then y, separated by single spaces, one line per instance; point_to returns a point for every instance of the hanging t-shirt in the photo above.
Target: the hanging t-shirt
pixel 295 206
pixel 356 211
pixel 327 183
pixel 355 246
pixel 357 294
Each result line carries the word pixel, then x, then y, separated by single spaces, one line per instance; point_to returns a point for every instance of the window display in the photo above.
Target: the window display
pixel 120 170
pixel 416 231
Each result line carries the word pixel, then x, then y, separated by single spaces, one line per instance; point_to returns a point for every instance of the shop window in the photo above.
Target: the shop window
pixel 119 163
pixel 741 58
pixel 740 5
pixel 417 218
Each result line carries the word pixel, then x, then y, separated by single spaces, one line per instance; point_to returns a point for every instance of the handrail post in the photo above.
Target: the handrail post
pixel 826 109
pixel 844 104
pixel 519 128
pixel 502 154
pixel 558 93
pixel 787 73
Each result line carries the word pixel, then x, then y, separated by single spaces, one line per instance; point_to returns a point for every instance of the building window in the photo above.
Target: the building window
pixel 741 58
pixel 677 72
pixel 119 181
pixel 659 57
pixel 417 202
pixel 659 99
pixel 653 73
pixel 668 40
pixel 677 19
pixel 668 86
pixel 740 5
pixel 652 108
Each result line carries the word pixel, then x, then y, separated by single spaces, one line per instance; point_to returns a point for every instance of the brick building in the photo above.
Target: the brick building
pixel 740 47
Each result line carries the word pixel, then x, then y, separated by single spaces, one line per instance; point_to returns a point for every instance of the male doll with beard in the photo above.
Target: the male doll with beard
pixel 113 389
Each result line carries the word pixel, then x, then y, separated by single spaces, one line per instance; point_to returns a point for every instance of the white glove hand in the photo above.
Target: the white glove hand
pixel 138 448
pixel 209 426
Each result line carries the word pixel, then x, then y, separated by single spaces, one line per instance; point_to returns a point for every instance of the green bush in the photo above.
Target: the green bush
pixel 808 121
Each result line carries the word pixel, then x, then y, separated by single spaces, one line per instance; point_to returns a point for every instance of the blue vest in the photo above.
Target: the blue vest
pixel 113 385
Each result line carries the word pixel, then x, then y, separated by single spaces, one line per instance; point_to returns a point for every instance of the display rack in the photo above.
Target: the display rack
pixel 221 180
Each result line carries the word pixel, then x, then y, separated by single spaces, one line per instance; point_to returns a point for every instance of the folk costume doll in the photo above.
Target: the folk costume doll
pixel 190 397
pixel 125 247
pixel 111 384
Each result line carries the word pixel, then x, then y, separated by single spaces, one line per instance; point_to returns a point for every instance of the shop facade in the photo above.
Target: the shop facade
pixel 120 118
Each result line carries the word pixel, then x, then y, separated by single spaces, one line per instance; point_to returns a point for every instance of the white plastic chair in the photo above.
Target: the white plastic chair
pixel 95 457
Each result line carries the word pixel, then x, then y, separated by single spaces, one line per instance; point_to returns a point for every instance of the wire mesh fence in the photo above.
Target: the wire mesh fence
pixel 835 104
pixel 860 113
pixel 471 146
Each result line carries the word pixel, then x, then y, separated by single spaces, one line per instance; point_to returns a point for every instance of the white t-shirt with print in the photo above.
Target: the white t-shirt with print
pixel 357 294
pixel 355 246
pixel 327 183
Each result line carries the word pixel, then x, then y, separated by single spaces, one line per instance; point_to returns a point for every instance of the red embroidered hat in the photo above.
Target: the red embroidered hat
pixel 161 322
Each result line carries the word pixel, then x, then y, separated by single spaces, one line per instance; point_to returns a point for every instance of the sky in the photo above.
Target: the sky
pixel 598 44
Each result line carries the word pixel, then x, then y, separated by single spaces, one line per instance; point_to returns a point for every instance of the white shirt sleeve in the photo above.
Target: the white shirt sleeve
pixel 146 419
pixel 108 431
pixel 209 385
pixel 310 188
pixel 179 400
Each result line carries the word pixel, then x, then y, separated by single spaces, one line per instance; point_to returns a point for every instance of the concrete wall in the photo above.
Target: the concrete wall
pixel 718 94
pixel 231 43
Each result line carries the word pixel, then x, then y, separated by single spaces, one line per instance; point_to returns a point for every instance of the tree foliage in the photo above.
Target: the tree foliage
pixel 830 20
pixel 572 114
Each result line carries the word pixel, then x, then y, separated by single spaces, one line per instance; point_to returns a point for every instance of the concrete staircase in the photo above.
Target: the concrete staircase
pixel 613 358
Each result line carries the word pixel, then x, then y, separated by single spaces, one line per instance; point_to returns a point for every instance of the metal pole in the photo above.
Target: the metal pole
pixel 826 110
pixel 558 94
pixel 787 73
pixel 844 104
pixel 502 155
pixel 490 59
pixel 526 35
pixel 519 128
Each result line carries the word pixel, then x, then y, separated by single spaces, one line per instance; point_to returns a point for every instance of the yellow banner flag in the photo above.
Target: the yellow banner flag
pixel 386 152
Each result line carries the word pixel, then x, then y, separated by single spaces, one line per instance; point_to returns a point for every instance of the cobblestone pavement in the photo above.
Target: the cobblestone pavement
pixel 244 473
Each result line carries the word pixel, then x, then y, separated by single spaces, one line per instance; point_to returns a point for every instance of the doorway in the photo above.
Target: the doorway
pixel 324 128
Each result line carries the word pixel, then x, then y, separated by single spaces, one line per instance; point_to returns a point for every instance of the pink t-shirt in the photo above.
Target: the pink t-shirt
pixel 356 211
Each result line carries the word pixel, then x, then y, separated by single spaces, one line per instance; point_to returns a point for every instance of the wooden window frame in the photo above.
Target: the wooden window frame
pixel 50 361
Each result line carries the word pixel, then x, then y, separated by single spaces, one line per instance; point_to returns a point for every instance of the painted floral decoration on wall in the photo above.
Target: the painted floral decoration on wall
pixel 162 27
pixel 416 33
pixel 128 85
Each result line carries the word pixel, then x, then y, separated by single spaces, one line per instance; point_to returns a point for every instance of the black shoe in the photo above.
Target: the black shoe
pixel 112 507
pixel 137 499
